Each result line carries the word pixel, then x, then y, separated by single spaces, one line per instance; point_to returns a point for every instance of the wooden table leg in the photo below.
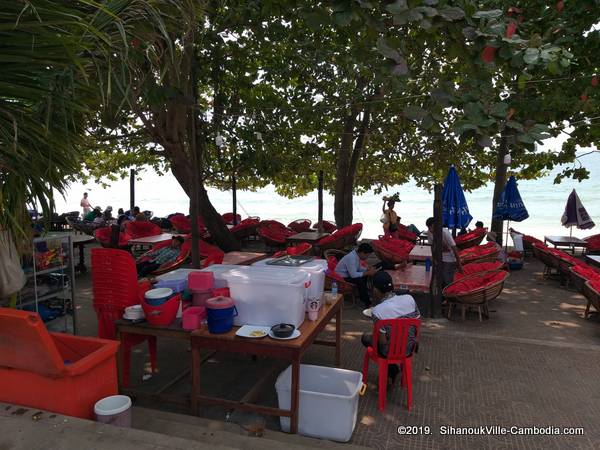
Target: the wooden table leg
pixel 119 337
pixel 338 337
pixel 295 393
pixel 195 368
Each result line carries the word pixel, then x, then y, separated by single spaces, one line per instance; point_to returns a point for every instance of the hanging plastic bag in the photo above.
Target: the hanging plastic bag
pixel 12 277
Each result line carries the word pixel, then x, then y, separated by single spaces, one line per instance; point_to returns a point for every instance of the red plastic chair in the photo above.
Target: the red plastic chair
pixel 115 286
pixel 104 235
pixel 213 258
pixel 396 355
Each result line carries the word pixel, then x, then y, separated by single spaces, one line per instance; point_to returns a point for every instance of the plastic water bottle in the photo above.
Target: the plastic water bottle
pixel 427 265
pixel 334 288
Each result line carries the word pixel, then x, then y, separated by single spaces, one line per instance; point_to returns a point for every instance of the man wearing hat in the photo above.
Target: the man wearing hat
pixel 391 306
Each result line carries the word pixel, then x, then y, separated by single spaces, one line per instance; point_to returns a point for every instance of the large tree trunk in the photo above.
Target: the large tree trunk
pixel 342 208
pixel 499 184
pixel 437 282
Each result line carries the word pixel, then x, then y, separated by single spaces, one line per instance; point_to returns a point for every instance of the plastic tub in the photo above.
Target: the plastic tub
pixel 316 268
pixel 328 401
pixel 164 314
pixel 156 297
pixel 177 285
pixel 265 296
pixel 193 317
pixel 114 410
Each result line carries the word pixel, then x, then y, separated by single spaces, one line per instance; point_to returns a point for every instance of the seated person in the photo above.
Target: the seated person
pixel 140 217
pixel 491 237
pixel 154 259
pixel 96 212
pixel 351 269
pixel 391 306
pixel 478 225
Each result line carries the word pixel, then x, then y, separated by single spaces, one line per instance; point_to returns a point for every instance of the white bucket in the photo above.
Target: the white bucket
pixel 114 410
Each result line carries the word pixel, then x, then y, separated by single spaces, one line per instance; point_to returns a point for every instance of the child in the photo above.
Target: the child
pixel 391 306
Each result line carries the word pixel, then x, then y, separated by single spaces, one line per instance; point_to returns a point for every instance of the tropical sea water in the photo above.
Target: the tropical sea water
pixel 544 200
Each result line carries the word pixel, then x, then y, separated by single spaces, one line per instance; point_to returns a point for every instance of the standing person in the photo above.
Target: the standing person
pixel 351 269
pixel 389 218
pixel 391 306
pixel 450 257
pixel 85 204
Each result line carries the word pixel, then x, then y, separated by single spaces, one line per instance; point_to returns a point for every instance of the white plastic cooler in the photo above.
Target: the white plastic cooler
pixel 265 296
pixel 316 268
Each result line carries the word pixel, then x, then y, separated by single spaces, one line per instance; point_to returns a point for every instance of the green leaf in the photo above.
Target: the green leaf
pixel 492 14
pixel 397 7
pixel 401 68
pixel 451 13
pixel 387 51
pixel 531 55
pixel 514 125
pixel 413 112
pixel 430 2
pixel 343 18
pixel 499 110
pixel 525 139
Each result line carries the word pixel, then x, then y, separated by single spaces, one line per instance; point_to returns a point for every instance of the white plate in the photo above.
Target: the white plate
pixel 246 331
pixel 368 312
pixel 294 335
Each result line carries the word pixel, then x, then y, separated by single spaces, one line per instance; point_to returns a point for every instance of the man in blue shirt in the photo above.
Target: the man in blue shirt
pixel 351 269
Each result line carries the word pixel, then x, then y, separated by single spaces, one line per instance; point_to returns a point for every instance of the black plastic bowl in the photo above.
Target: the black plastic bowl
pixel 283 330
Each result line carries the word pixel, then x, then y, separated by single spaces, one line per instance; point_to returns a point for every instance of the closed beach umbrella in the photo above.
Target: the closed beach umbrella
pixel 575 214
pixel 455 212
pixel 510 206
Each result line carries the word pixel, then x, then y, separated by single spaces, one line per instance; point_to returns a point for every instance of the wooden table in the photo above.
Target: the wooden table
pixel 593 260
pixel 565 241
pixel 173 331
pixel 151 240
pixel 80 241
pixel 420 253
pixel 292 350
pixel 242 258
pixel 311 237
pixel 413 278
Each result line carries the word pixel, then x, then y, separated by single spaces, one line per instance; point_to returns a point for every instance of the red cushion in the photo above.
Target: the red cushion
pixel 593 243
pixel 474 282
pixel 470 235
pixel 532 240
pixel 586 271
pixel 478 250
pixel 469 269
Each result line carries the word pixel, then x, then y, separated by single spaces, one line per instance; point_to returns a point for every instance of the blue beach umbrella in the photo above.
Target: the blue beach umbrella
pixel 455 212
pixel 510 206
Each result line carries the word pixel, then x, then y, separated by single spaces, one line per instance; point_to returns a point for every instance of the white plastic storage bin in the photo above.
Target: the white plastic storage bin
pixel 316 268
pixel 267 297
pixel 328 401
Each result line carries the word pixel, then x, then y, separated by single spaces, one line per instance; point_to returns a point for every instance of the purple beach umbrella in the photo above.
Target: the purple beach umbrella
pixel 575 214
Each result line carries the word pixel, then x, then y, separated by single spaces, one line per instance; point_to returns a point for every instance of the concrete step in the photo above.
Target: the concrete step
pixel 249 436
pixel 31 429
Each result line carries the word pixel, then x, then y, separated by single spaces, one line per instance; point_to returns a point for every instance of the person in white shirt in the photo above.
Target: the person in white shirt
pixel 391 306
pixel 450 257
pixel 85 204
pixel 351 269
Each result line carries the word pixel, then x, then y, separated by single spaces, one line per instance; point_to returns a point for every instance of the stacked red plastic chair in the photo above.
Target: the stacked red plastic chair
pixel 398 342
pixel 300 225
pixel 115 287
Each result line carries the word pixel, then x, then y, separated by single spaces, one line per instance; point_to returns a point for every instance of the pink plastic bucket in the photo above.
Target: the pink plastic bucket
pixel 193 317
